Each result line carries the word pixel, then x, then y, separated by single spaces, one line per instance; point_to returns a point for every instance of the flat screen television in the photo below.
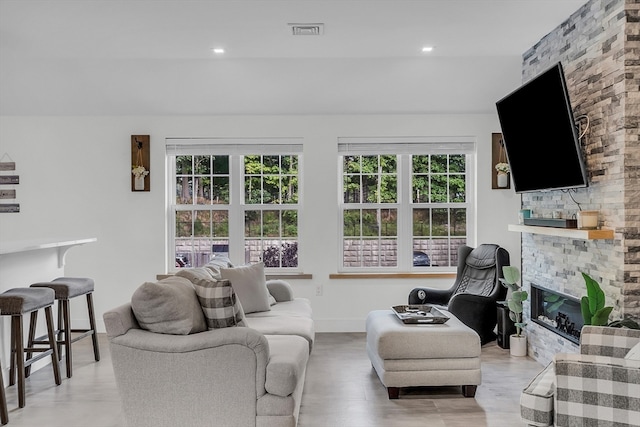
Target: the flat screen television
pixel 540 135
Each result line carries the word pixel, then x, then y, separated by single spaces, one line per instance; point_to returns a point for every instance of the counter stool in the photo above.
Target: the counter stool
pixel 66 288
pixel 15 303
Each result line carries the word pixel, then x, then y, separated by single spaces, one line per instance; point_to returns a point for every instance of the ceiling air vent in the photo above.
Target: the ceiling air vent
pixel 307 29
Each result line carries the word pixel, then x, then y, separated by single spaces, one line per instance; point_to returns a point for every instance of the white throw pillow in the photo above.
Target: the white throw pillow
pixel 634 353
pixel 250 285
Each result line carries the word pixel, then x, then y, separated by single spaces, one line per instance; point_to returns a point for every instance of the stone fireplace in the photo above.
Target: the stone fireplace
pixel 599 47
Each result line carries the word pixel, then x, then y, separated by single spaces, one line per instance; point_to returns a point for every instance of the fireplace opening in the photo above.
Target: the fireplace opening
pixel 557 312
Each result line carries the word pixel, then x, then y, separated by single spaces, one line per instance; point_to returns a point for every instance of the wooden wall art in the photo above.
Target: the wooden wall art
pixel 498 155
pixel 140 163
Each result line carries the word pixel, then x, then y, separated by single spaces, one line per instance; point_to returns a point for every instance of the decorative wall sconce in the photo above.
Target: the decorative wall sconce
pixel 140 160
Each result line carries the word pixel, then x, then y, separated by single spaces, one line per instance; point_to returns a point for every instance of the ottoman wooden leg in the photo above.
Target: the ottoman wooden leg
pixel 469 390
pixel 394 392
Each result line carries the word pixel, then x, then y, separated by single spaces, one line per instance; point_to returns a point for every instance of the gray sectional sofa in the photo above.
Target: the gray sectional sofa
pixel 172 371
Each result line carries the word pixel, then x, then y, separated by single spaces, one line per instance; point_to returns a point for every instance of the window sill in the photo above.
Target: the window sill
pixel 268 276
pixel 433 275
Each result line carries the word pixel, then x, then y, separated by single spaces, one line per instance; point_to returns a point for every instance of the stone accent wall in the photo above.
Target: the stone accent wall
pixel 599 48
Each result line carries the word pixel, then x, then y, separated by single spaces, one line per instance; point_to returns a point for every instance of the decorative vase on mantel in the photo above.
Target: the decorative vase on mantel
pixel 518 345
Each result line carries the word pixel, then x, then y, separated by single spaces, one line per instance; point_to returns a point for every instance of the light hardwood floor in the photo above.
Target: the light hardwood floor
pixel 341 390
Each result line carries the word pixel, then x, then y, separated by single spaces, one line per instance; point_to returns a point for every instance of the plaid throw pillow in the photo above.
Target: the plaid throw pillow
pixel 219 303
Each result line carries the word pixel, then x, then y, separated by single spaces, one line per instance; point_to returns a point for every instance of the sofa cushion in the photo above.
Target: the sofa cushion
pixel 219 303
pixel 169 306
pixel 288 356
pixel 216 263
pixel 283 325
pixel 195 273
pixel 250 285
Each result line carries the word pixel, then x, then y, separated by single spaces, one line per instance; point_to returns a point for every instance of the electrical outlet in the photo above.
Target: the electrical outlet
pixel 318 290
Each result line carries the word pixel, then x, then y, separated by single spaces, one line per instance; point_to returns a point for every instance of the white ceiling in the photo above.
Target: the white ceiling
pixel 142 57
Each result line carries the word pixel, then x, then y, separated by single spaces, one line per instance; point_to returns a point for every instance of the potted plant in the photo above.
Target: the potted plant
pixel 139 172
pixel 515 298
pixel 592 305
pixel 503 171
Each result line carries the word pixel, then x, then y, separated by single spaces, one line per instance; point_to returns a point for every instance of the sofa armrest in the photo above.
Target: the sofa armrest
pixel 592 387
pixel 536 400
pixel 280 290
pixel 607 341
pixel 119 320
pixel 288 357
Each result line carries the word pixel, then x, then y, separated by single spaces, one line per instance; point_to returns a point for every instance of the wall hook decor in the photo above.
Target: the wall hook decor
pixel 140 163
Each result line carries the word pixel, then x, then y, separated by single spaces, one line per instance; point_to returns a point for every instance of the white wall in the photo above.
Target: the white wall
pixel 75 183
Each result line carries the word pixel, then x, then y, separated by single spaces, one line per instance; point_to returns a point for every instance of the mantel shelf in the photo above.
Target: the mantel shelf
pixel 572 233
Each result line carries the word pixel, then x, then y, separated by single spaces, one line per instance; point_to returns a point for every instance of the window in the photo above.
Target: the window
pixel 406 204
pixel 240 200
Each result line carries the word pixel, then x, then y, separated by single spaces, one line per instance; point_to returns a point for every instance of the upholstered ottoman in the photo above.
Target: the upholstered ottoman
pixel 406 355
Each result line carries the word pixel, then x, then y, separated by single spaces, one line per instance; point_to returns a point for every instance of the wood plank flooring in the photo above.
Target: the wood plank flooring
pixel 341 390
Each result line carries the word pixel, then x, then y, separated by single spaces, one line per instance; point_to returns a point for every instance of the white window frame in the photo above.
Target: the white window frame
pixel 404 147
pixel 235 148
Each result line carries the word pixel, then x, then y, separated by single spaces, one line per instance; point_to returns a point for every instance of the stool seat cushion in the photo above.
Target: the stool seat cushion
pixel 25 300
pixel 68 287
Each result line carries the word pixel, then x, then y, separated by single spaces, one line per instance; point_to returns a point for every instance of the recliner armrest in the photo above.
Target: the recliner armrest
pixel 432 296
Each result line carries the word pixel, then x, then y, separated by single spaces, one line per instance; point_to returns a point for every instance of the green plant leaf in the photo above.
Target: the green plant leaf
pixel 584 308
pixel 511 274
pixel 594 293
pixel 551 298
pixel 556 305
pixel 601 317
pixel 515 307
pixel 519 296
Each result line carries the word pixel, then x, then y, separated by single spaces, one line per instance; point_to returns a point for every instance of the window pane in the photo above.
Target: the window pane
pixel 183 165
pixel 289 164
pixel 184 224
pixel 271 189
pixel 202 223
pixel 183 190
pixel 271 223
pixel 271 164
pixel 388 164
pixel 388 253
pixel 252 224
pixel 351 222
pixel 420 164
pixel 438 188
pixel 252 165
pixel 370 222
pixel 420 188
pixel 389 219
pixel 458 222
pixel 252 190
pixel 352 253
pixel 221 165
pixel 220 190
pixel 289 189
pixel 203 190
pixel 351 189
pixel 457 163
pixel 220 223
pixel 421 222
pixel 370 188
pixel 439 163
pixel 351 164
pixel 389 189
pixel 370 253
pixel 202 165
pixel 290 223
pixel 457 188
pixel 369 164
pixel 440 222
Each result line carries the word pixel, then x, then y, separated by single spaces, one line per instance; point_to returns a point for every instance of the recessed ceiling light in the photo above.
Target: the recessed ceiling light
pixel 218 50
pixel 427 48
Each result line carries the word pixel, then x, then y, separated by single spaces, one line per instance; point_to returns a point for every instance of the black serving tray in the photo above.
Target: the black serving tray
pixel 419 314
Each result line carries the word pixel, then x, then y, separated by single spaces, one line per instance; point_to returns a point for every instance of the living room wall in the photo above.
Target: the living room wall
pixel 75 182
pixel 599 49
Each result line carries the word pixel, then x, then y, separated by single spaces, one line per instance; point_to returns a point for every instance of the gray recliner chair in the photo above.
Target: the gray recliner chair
pixel 474 296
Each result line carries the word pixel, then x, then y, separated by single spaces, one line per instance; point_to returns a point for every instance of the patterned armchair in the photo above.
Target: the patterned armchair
pixel 600 386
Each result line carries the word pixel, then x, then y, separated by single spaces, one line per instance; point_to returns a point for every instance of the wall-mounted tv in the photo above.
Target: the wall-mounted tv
pixel 540 136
